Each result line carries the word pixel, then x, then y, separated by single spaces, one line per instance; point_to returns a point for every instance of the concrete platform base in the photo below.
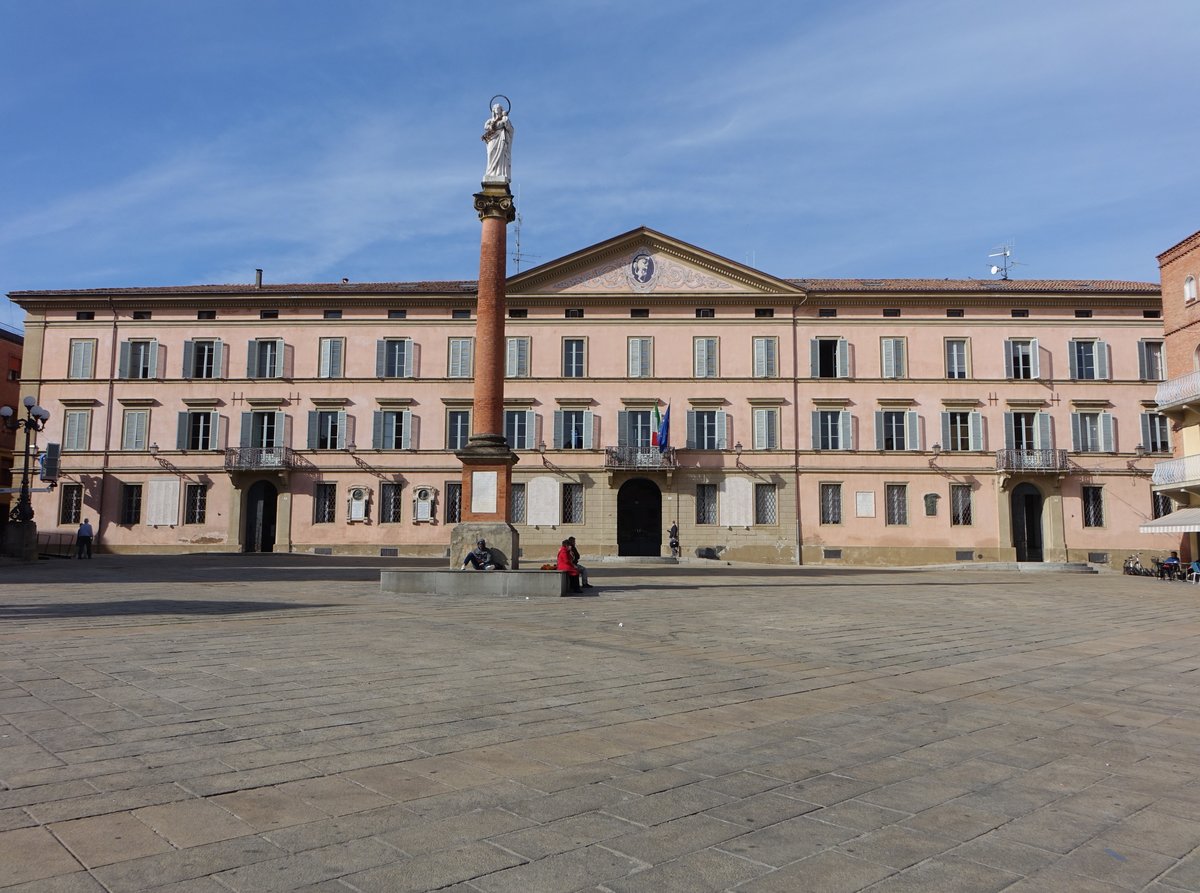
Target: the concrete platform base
pixel 540 584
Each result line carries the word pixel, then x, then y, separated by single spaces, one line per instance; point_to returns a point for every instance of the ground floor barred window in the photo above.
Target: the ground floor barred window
pixel 516 504
pixel 324 503
pixel 706 503
pixel 452 513
pixel 1093 506
pixel 766 499
pixel 195 504
pixel 1162 505
pixel 131 503
pixel 572 503
pixel 389 503
pixel 71 508
pixel 831 503
pixel 896 503
pixel 960 505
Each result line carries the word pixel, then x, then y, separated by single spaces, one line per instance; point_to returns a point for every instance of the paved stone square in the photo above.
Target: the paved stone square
pixel 216 723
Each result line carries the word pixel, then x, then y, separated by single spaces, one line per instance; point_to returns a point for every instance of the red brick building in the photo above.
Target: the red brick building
pixel 1178 396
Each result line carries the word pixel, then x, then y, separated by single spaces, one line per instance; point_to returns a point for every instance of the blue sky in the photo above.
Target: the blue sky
pixel 167 143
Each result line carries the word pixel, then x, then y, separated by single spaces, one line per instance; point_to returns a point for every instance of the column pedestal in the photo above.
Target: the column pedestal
pixel 20 540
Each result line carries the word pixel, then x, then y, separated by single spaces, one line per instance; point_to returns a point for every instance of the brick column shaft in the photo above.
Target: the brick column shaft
pixel 488 416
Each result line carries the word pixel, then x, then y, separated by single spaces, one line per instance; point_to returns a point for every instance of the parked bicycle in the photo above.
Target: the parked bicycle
pixel 1133 566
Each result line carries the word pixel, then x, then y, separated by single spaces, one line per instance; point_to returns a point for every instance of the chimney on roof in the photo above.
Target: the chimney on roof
pixel 258 277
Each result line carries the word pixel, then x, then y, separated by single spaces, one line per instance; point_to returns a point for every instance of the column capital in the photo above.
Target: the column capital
pixel 496 201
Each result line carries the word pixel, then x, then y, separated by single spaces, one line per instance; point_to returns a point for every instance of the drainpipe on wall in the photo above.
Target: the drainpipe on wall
pixel 108 416
pixel 796 423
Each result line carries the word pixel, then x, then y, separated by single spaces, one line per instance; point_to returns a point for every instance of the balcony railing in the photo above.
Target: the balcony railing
pixel 1045 461
pixel 259 458
pixel 1177 471
pixel 1184 389
pixel 638 457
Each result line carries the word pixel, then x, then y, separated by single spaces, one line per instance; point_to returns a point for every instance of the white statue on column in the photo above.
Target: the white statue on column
pixel 498 134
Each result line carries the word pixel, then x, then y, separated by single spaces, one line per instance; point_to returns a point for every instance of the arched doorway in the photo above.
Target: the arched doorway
pixel 1027 522
pixel 261 505
pixel 639 518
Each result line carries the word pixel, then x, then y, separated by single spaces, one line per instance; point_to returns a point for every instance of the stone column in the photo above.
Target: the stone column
pixel 487 461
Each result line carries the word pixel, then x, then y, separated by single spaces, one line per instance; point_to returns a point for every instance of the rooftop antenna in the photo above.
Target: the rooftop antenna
pixel 518 255
pixel 1004 252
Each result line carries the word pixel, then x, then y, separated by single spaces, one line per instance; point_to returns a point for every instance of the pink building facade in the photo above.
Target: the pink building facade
pixel 892 422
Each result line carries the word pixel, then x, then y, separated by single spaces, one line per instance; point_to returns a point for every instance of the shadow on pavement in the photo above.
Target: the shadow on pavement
pixel 145 606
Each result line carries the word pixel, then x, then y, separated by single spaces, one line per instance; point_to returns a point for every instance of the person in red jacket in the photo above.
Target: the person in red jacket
pixel 566 562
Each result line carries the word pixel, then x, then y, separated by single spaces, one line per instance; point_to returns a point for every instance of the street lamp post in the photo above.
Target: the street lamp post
pixel 23 540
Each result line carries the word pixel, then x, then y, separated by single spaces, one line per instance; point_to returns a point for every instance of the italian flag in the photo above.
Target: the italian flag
pixel 661 435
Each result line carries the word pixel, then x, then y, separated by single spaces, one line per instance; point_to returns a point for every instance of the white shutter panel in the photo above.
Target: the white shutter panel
pixel 1143 361
pixel 760 360
pixel 1106 433
pixel 700 358
pixel 814 358
pixel 182 421
pixel 635 357
pixel 843 358
pixel 946 431
pixel 760 429
pixel 152 370
pixel 214 432
pixel 406 429
pixel 341 432
pixel 1147 432
pixel 879 430
pixel 691 429
pixel 889 358
pixel 406 368
pixel 1072 359
pixel 1010 349
pixel 976 431
pixel 912 430
pixel 1076 431
pixel 530 429
pixel 845 430
pixel 1045 438
pixel 1102 360
pixel 218 370
pixel 623 437
pixel 722 430
pixel 123 361
pixel 558 429
pixel 589 421
pixel 816 430
pixel 1035 360
pixel 1010 434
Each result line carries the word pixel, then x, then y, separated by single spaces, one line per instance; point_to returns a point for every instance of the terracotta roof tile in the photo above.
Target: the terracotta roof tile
pixel 1000 286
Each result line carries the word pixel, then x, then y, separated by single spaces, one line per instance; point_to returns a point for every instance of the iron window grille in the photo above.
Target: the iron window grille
pixel 896 504
pixel 71 505
pixel 572 503
pixel 1093 506
pixel 706 503
pixel 960 505
pixel 195 504
pixel 325 503
pixel 766 501
pixel 131 504
pixel 453 510
pixel 831 503
pixel 389 503
pixel 516 504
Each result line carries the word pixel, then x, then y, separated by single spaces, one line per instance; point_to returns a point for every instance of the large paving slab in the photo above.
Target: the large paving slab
pixel 214 722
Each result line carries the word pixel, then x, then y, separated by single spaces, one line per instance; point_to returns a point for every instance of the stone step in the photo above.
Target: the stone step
pixel 1056 567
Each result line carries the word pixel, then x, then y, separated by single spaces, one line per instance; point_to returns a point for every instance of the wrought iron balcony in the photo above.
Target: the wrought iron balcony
pixel 1038 461
pixel 1179 391
pixel 259 459
pixel 645 458
pixel 1177 472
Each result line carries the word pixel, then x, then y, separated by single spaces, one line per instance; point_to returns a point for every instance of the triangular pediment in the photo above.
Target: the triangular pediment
pixel 645 262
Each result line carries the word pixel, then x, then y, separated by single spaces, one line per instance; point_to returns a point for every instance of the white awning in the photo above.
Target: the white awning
pixel 1182 521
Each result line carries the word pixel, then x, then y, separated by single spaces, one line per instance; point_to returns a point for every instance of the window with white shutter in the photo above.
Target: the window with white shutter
pixel 133 429
pixel 77 425
pixel 766 429
pixel 641 357
pixel 461 358
pixel 332 351
pixel 83 358
pixel 766 357
pixel 516 360
pixel 893 360
pixel 704 354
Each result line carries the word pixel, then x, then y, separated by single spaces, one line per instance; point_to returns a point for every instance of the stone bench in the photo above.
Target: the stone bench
pixel 531 583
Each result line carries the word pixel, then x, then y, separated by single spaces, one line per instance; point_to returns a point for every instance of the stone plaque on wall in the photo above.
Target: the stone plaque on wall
pixel 483 491
pixel 864 504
